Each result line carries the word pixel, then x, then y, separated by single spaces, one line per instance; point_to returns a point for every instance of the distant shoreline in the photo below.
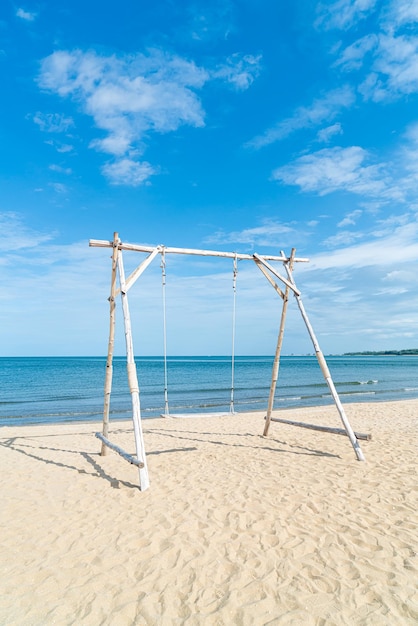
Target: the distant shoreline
pixel 410 352
pixel 102 357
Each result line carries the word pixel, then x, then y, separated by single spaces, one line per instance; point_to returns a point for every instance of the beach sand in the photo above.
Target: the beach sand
pixel 236 528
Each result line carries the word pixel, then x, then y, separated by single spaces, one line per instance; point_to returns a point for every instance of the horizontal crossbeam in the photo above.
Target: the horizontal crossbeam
pixel 100 243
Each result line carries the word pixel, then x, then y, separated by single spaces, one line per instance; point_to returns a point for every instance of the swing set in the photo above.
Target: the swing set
pixel 167 412
pixel 125 283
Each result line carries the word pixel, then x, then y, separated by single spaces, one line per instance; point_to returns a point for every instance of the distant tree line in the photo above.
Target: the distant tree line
pixel 411 351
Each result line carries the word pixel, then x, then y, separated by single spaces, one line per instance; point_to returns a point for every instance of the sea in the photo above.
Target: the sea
pixel 39 390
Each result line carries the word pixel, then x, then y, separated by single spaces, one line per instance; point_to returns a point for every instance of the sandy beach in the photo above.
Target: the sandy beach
pixel 236 528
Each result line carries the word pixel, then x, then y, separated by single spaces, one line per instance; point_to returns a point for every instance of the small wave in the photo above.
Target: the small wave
pixel 182 388
pixel 358 393
pixel 356 382
pixel 58 414
pixel 294 398
pixel 197 405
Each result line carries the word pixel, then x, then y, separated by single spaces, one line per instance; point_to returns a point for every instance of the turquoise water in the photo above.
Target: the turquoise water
pixel 60 389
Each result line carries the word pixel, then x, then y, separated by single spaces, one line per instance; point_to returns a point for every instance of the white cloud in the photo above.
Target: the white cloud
pixel 58 187
pixel 391 291
pixel 270 233
pixel 19 236
pixel 405 275
pixel 128 172
pixel 392 52
pixel 402 12
pixel 325 134
pixel 53 122
pixel 411 133
pixel 239 71
pixel 333 169
pixel 395 70
pixel 321 110
pixel 59 146
pixel 350 219
pixel 59 169
pixel 55 294
pixel 343 238
pixel 386 226
pixel 343 14
pixel 131 96
pixel 372 88
pixel 352 57
pixel 128 97
pixel 25 15
pixel 359 276
pixel 400 244
pixel 63 147
pixel 409 156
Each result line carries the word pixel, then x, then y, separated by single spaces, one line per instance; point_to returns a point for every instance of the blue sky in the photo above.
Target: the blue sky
pixel 239 126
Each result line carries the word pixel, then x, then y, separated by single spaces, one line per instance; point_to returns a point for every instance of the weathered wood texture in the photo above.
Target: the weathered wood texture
pixel 128 457
pixel 269 278
pixel 99 243
pixel 110 347
pixel 133 277
pixel 286 281
pixel 133 382
pixel 276 363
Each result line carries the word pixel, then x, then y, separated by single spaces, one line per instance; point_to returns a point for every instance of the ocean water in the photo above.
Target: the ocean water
pixel 61 389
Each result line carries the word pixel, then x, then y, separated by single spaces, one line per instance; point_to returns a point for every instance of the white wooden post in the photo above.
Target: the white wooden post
pixel 276 363
pixel 110 348
pixel 133 381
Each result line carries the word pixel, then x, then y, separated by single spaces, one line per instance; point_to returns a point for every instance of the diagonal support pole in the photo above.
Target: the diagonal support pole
pixel 273 270
pixel 269 278
pixel 132 278
pixel 325 371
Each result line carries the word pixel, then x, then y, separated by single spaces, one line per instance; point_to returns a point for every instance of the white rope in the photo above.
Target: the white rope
pixel 234 287
pixel 163 276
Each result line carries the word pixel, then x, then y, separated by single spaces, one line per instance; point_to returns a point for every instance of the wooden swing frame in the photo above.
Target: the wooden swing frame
pixel 270 272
